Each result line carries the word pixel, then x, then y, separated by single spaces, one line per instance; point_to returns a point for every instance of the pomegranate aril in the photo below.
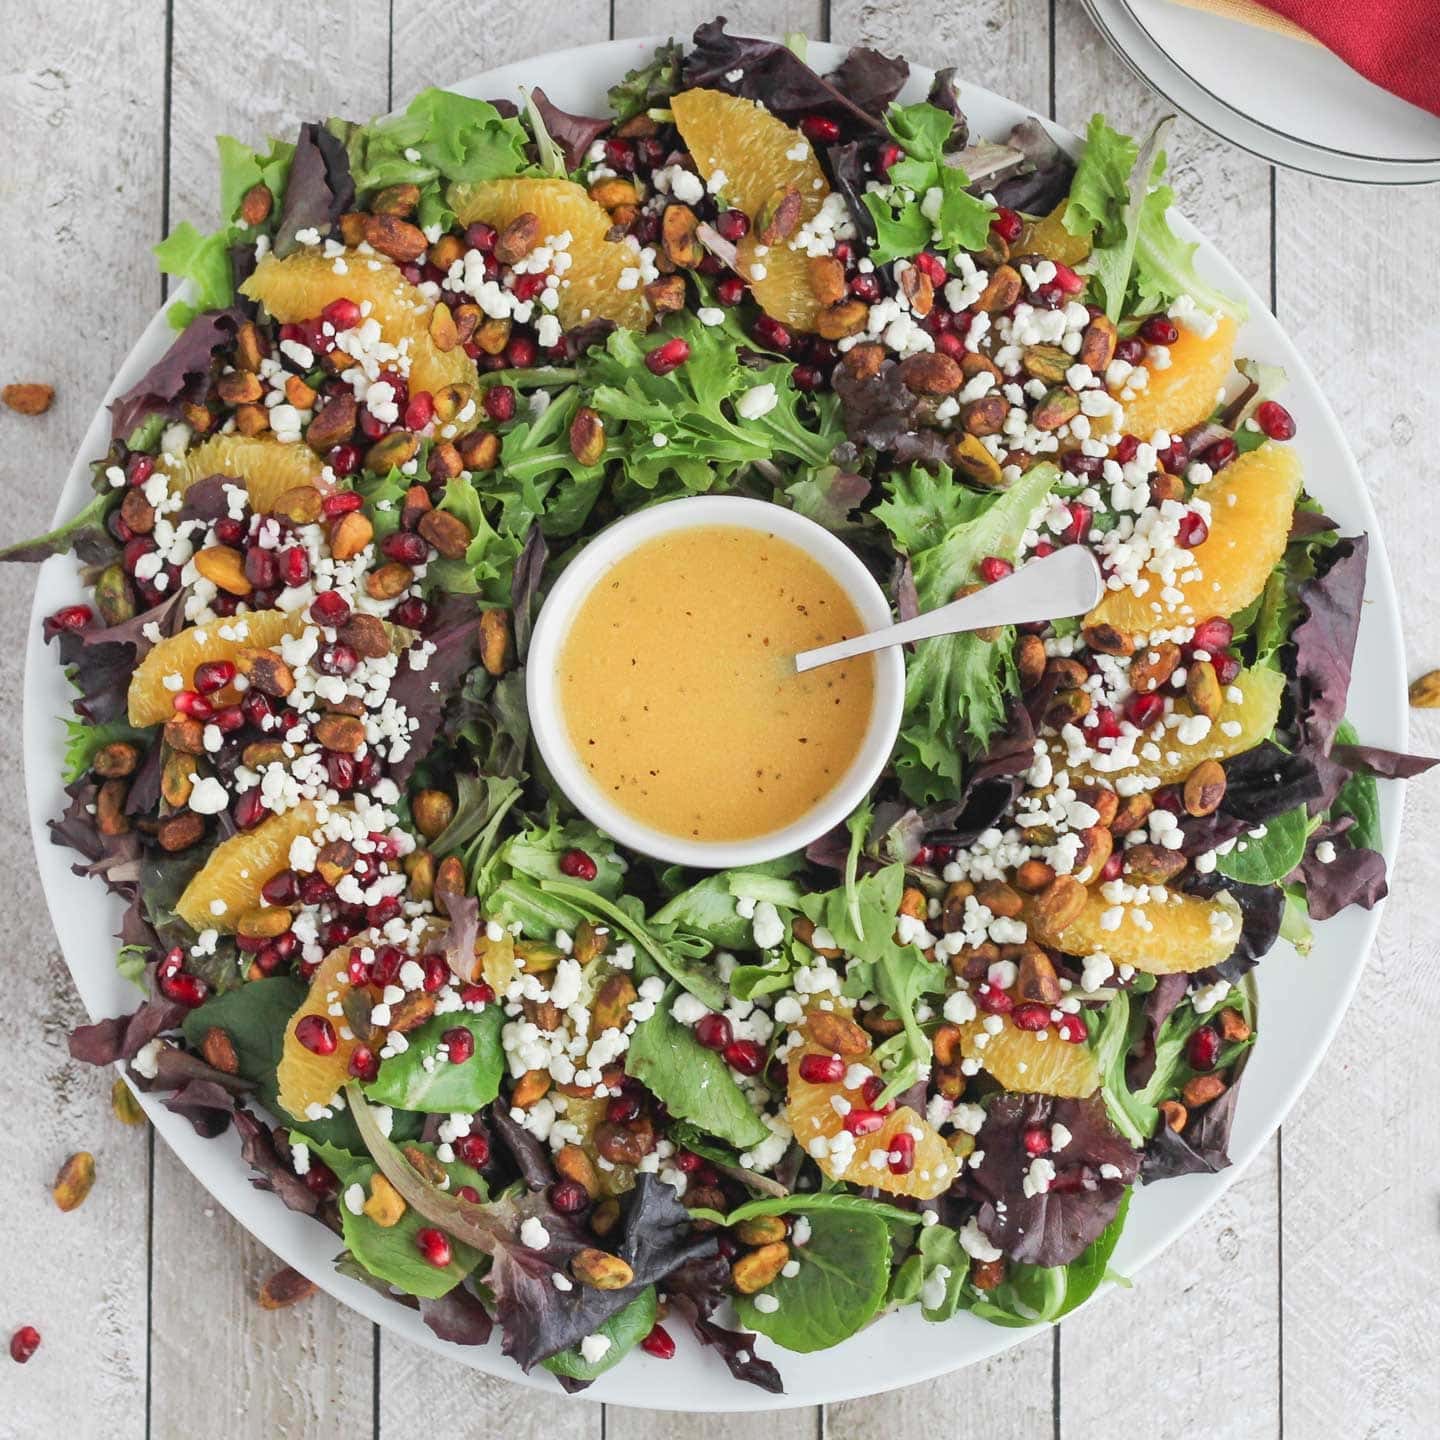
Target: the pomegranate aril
pixel 406 546
pixel 772 334
pixel 1193 530
pixel 871 1089
pixel 342 502
pixel 1114 866
pixel 620 155
pixel 357 969
pixel 1143 711
pixel 411 612
pixel 419 411
pixel 992 1000
pixel 659 1344
pixel 387 963
pixel 889 155
pixel 1168 797
pixel 499 403
pixel 1077 462
pixel 139 468
pixel 522 352
pixel 480 236
pixel 249 810
pixel 1127 449
pixel 1067 279
pixel 667 357
pixel 713 1031
pixel 746 1056
pixel 213 675
pixel 459 1044
pixel 932 268
pixel 468 1192
pixel 949 343
pixel 1219 454
pixel 330 608
pixel 294 567
pixel 1007 225
pixel 1212 635
pixel 822 1069
pixel 473 1149
pixel 1131 350
pixel 1102 724
pixel 193 704
pixel 1275 420
pixel 901 1157
pixel 434 1245
pixel 820 129
pixel 26 1341
pixel 1159 330
pixel 337 658
pixel 230 532
pixel 363 1063
pixel 733 225
pixel 1227 667
pixel 688 1162
pixel 622 1109
pixel 342 314
pixel 527 287
pixel 1072 1029
pixel 1079 527
pixel 866 288
pixel 262 568
pixel 382 912
pixel 569 1197
pixel 344 460
pixel 863 1122
pixel 437 972
pixel 1037 1140
pixel 578 865
pixel 1030 1016
pixel 730 291
pixel 993 568
pixel 135 550
pixel 1202 1050
pixel 316 1034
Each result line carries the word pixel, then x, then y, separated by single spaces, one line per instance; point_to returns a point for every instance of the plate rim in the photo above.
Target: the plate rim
pixel 293 1237
pixel 1099 12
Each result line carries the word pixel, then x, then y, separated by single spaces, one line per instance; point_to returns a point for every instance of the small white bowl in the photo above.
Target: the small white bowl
pixel 547 722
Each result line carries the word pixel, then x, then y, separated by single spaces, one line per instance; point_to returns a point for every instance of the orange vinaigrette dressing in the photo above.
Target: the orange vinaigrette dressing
pixel 678 694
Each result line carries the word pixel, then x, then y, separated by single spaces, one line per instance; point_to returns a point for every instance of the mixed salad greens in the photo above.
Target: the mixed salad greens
pixel 531 1081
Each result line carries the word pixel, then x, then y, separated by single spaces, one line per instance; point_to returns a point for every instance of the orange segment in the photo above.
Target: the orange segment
pixel 755 152
pixel 812 1116
pixel 591 288
pixel 1032 1062
pixel 303 1077
pixel 1255 713
pixel 268 466
pixel 1179 934
pixel 152 702
pixel 1252 504
pixel 1183 394
pixel 239 866
pixel 1050 238
pixel 301 285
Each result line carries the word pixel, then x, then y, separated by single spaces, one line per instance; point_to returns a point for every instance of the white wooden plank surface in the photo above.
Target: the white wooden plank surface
pixel 300 1372
pixel 80 201
pixel 1353 1279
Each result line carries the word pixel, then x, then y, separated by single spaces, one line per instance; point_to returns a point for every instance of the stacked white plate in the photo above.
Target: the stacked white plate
pixel 1282 98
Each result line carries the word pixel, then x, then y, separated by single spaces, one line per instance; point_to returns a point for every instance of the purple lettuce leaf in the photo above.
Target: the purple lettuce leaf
pixel 531 1156
pixel 181 374
pixel 458 1316
pixel 1268 781
pixel 1045 181
pixel 206 499
pixel 574 134
pixel 259 1151
pixel 1160 1003
pixel 1355 876
pixel 457 944
pixel 1053 1228
pixel 525 583
pixel 1304 524
pixel 124 1036
pixel 697 1289
pixel 945 95
pixel 1201 1148
pixel 871 80
pixel 882 412
pixel 207 1105
pixel 770 73
pixel 1381 763
pixel 846 167
pixel 1324 643
pixel 423 693
pixel 319 191
pixel 113 858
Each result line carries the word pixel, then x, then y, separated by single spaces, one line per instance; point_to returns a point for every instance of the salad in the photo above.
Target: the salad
pixel 538 1085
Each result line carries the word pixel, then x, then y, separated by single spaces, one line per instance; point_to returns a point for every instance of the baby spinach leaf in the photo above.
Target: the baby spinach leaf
pixel 934 1274
pixel 405 1083
pixel 707 909
pixel 1270 858
pixel 844 1271
pixel 693 1082
pixel 624 1331
pixel 1359 797
pixel 389 1252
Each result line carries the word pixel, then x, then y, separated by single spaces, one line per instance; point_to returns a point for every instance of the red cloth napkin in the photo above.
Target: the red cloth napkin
pixel 1394 43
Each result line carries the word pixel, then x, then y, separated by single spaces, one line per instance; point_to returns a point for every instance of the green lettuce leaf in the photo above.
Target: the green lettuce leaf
pixel 405 1083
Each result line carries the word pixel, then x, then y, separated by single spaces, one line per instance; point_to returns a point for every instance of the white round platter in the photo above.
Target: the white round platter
pixel 1279 97
pixel 1301 1003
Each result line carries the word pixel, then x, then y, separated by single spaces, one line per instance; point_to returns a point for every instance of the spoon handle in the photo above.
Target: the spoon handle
pixel 1063 584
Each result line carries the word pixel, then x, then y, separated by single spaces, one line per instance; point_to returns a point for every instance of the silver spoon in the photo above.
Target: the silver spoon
pixel 1060 585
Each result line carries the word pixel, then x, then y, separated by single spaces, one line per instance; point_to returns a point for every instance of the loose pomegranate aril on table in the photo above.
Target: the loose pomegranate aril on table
pixel 1202 1050
pixel 1275 420
pixel 746 1056
pixel 1159 330
pixel 822 1069
pixel 901 1157
pixel 569 1197
pixel 659 1344
pixel 578 865
pixel 667 357
pixel 26 1341
pixel 993 568
pixel 316 1034
pixel 434 1245
pixel 772 334
pixel 713 1031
